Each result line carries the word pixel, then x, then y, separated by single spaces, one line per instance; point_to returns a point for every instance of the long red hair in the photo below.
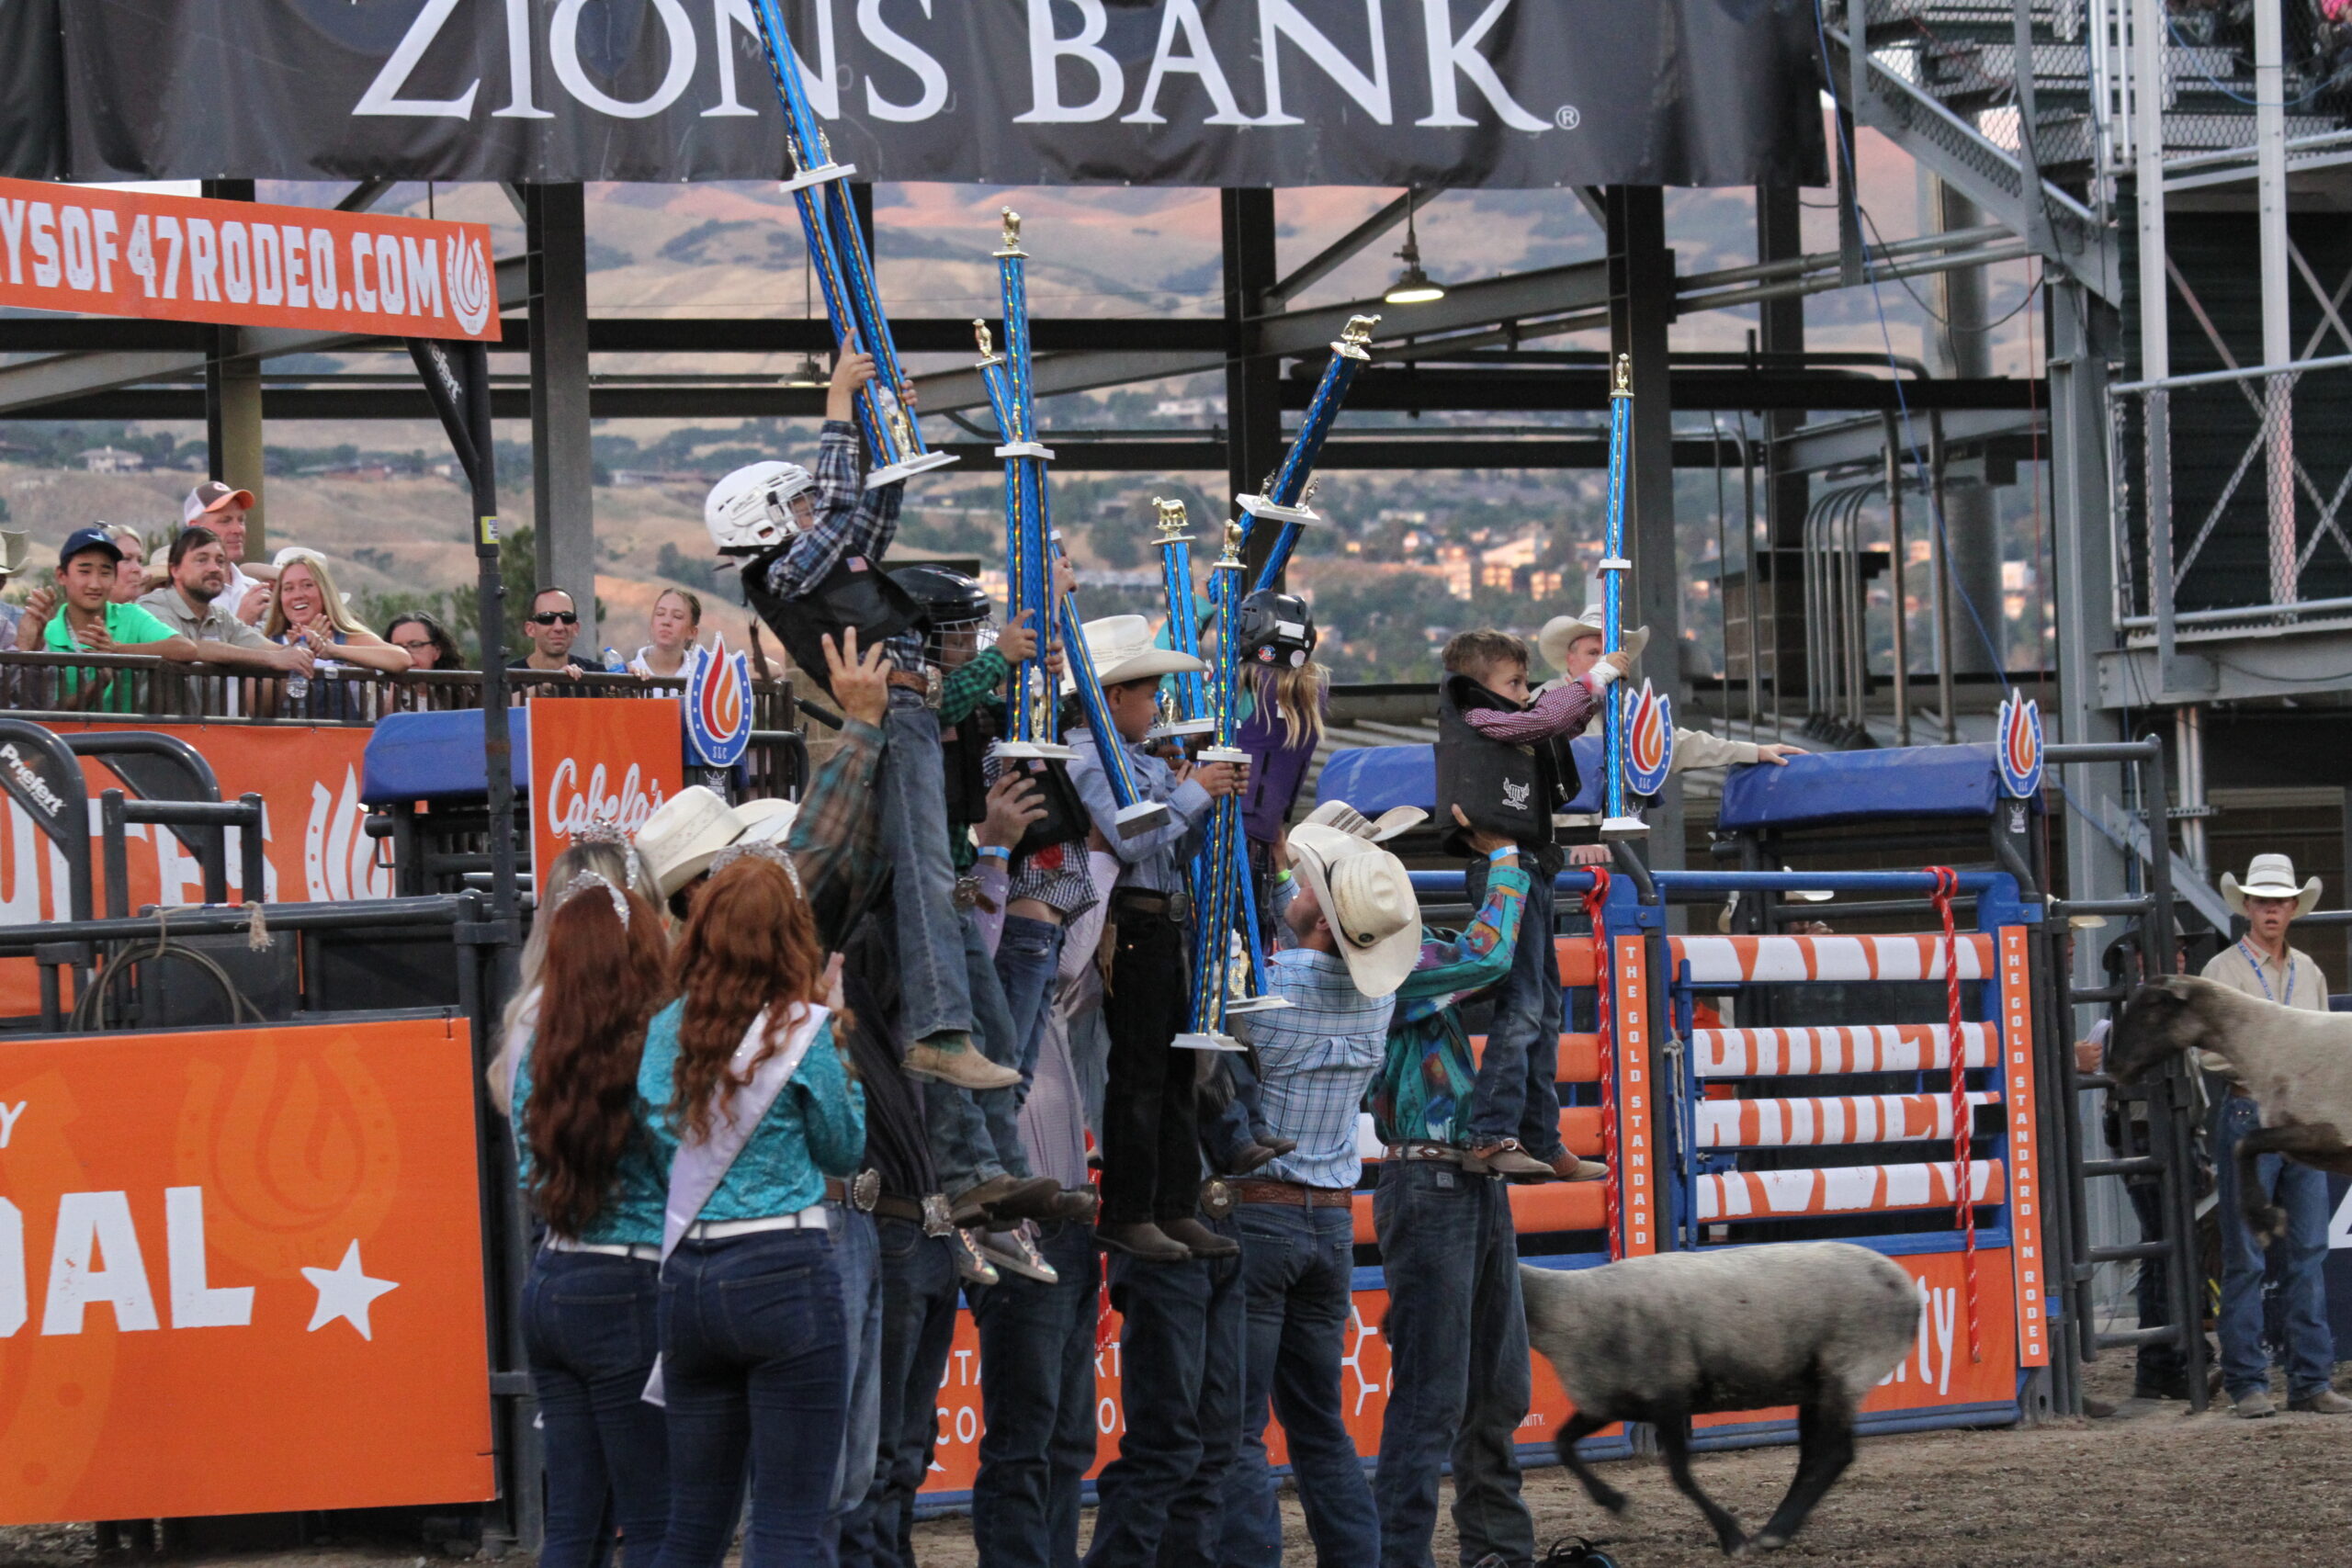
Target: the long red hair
pixel 603 979
pixel 749 944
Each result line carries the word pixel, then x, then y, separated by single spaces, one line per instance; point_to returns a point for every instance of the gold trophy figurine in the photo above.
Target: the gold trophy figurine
pixel 1171 522
pixel 1011 246
pixel 989 355
pixel 1232 556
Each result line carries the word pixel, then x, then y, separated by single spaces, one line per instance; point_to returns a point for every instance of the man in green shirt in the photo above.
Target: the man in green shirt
pixel 89 620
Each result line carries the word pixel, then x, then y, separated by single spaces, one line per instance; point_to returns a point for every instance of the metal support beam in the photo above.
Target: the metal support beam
pixel 1788 490
pixel 1641 309
pixel 1338 254
pixel 1963 348
pixel 563 495
pixel 1253 393
pixel 232 419
pixel 2083 332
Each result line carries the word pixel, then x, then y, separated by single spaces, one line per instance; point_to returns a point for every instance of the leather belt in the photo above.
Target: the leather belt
pixel 860 1192
pixel 929 1212
pixel 812 1218
pixel 1176 907
pixel 1296 1194
pixel 925 683
pixel 1436 1153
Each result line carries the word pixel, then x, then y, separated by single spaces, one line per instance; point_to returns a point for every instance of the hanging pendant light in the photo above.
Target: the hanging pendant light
pixel 1413 287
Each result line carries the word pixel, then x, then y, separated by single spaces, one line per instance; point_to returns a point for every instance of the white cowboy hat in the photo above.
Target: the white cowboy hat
pixel 15 546
pixel 684 835
pixel 1121 648
pixel 1371 829
pixel 1562 631
pixel 766 821
pixel 1367 895
pixel 2269 876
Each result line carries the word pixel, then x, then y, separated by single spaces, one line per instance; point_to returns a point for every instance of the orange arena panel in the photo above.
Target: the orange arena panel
pixel 1579 1056
pixel 1575 956
pixel 1556 1206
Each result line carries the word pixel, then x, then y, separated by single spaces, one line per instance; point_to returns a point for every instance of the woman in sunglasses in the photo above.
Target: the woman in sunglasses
pixel 552 625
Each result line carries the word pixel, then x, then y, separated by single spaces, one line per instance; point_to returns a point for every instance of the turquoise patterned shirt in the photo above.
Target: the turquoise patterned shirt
pixel 815 1129
pixel 631 1213
pixel 1424 1090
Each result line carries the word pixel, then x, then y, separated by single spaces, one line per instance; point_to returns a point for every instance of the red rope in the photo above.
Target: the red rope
pixel 1963 1119
pixel 1596 904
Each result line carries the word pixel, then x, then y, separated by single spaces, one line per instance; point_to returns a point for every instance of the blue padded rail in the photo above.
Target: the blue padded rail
pixel 436 756
pixel 1824 788
pixel 1374 778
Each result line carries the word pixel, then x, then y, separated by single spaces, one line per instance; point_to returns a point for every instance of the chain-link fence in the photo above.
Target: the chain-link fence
pixel 2231 490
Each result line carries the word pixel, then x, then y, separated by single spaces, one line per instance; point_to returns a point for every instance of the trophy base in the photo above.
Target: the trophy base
pixel 1025 449
pixel 1255 1004
pixel 1206 1040
pixel 1143 817
pixel 1259 506
pixel 892 473
pixel 1623 828
pixel 1181 729
pixel 1027 750
pixel 823 175
pixel 1615 563
pixel 1222 754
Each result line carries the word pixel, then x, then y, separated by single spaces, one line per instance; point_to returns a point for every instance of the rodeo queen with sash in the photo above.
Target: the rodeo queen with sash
pixel 757 1111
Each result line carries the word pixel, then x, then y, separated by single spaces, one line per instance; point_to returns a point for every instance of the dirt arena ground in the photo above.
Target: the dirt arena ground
pixel 2152 1486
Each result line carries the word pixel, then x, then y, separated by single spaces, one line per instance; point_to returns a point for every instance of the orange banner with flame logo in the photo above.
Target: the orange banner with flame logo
pixel 309 782
pixel 240 1272
pixel 599 760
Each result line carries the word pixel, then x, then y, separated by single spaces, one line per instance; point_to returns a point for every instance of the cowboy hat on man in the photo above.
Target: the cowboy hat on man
pixel 2269 876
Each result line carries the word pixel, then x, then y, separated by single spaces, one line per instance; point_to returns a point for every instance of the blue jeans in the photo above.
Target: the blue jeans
pixel 590 1331
pixel 2303 1254
pixel 975 1135
pixel 1516 1095
pixel 1027 956
pixel 918 1330
pixel 1298 1271
pixel 1037 1406
pixel 855 1250
pixel 1458 1376
pixel 933 995
pixel 1181 1355
pixel 755 1364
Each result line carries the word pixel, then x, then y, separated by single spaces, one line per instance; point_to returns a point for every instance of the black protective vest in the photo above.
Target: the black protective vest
pixel 963 750
pixel 857 592
pixel 1504 789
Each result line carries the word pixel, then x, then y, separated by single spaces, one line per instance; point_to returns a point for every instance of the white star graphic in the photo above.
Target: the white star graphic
pixel 345 1291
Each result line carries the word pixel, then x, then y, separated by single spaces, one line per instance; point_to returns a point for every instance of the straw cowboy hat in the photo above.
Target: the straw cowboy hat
pixel 1371 829
pixel 1367 895
pixel 2269 876
pixel 766 821
pixel 1562 631
pixel 16 545
pixel 684 835
pixel 1121 649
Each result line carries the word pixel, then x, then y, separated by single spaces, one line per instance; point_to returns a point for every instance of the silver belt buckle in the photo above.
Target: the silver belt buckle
pixel 864 1188
pixel 966 893
pixel 1216 1197
pixel 937 1218
pixel 1180 907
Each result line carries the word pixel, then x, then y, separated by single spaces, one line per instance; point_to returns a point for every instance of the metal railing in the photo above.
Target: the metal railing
pixel 2234 512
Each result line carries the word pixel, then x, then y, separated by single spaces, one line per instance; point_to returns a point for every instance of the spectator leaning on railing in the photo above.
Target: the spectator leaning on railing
pixel 130 576
pixel 15 546
pixel 194 602
pixel 80 616
pixel 222 508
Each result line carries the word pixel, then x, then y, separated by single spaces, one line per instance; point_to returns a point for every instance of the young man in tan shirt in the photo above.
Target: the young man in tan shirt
pixel 2261 964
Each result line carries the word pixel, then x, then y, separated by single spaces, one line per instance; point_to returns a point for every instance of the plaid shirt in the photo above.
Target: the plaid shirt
pixel 1316 1058
pixel 1424 1088
pixel 836 840
pixel 851 521
pixel 969 685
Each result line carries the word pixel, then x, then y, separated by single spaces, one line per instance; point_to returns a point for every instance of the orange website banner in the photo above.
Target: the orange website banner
pixel 309 782
pixel 133 253
pixel 2025 1148
pixel 600 760
pixel 240 1272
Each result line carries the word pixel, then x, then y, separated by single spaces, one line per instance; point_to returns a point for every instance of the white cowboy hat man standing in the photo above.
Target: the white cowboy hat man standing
pixel 2261 964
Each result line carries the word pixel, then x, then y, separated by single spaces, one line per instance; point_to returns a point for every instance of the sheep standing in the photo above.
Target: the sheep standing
pixel 1660 1339
pixel 2296 1064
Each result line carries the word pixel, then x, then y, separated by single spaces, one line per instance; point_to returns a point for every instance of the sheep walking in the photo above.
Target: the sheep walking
pixel 1660 1339
pixel 2296 1064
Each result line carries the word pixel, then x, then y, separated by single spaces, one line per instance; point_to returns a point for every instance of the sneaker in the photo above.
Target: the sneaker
pixel 1506 1159
pixel 1013 1250
pixel 1144 1240
pixel 2252 1406
pixel 950 1059
pixel 1568 1168
pixel 970 1265
pixel 1198 1239
pixel 2326 1402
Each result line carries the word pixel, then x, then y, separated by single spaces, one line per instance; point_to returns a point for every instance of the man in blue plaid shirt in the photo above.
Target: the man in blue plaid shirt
pixel 1355 928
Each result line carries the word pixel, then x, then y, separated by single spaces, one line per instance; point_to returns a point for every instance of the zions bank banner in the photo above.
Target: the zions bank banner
pixel 1427 93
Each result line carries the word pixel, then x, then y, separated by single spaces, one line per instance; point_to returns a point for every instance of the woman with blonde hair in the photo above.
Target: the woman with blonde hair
pixel 590 1170
pixel 760 1110
pixel 305 607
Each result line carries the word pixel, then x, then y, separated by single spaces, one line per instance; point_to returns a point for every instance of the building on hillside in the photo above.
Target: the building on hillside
pixel 112 460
